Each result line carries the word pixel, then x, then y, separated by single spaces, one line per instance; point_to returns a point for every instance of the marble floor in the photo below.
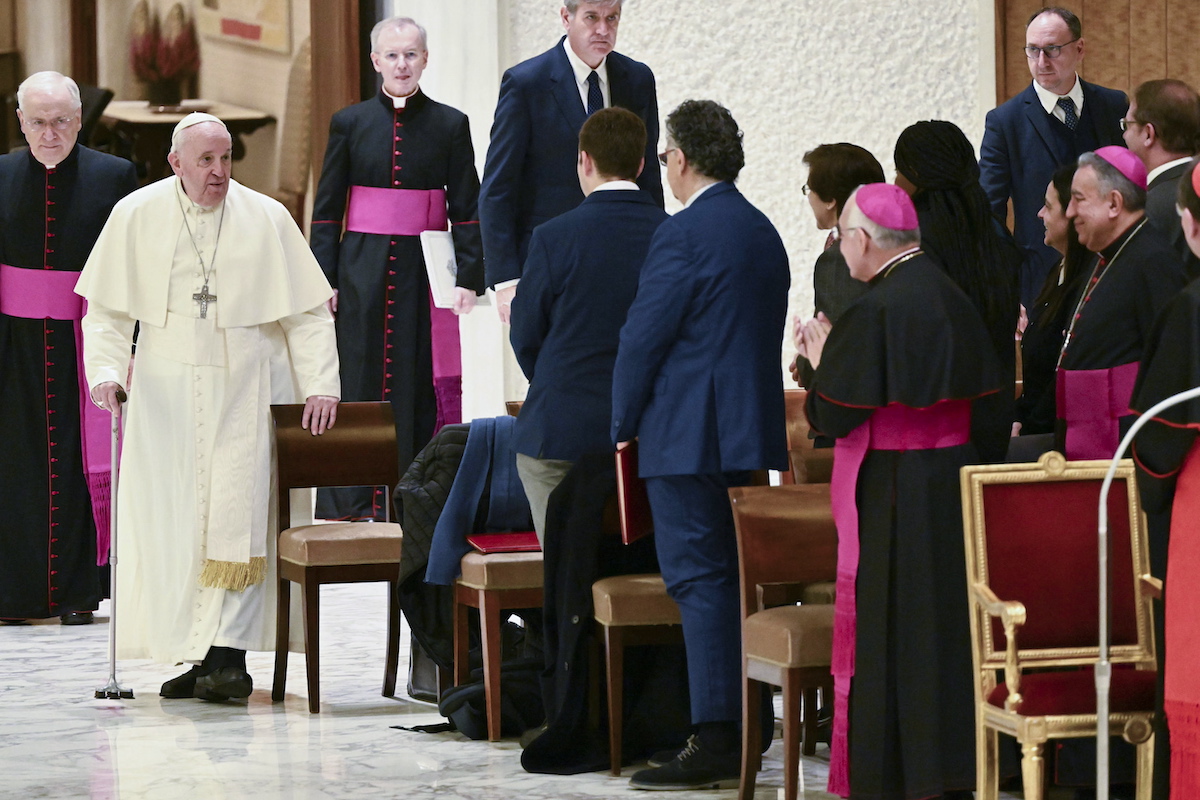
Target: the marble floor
pixel 56 741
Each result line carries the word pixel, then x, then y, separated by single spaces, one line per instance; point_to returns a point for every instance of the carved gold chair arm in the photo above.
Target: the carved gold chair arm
pixel 1150 586
pixel 1012 615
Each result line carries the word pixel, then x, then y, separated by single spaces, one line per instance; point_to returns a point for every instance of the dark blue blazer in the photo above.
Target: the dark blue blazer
pixel 1023 145
pixel 579 280
pixel 529 176
pixel 698 377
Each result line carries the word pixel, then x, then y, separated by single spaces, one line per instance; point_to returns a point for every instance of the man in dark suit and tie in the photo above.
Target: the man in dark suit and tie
pixel 529 176
pixel 1162 127
pixel 579 279
pixel 1057 118
pixel 698 381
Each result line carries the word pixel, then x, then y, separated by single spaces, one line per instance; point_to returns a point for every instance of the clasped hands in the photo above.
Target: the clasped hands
pixel 809 336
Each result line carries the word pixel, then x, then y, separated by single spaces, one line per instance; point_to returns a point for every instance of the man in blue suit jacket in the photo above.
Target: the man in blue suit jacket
pixel 529 176
pixel 698 381
pixel 579 280
pixel 1027 138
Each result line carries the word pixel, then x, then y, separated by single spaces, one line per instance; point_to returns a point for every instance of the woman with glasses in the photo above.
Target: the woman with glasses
pixel 834 171
pixel 1043 338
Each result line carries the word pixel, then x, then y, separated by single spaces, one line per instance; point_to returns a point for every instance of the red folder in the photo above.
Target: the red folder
pixel 516 542
pixel 633 504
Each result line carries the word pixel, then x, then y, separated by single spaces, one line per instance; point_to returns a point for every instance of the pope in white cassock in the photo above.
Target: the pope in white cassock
pixel 233 317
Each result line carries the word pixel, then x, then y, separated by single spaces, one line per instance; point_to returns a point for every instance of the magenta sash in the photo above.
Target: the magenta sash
pixel 893 427
pixel 1091 401
pixel 50 294
pixel 447 364
pixel 396 212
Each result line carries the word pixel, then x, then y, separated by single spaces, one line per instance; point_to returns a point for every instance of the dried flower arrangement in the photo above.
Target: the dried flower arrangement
pixel 163 56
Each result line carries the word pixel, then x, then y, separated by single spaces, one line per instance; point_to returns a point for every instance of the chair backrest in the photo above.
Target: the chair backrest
pixel 294 134
pixel 359 450
pixel 94 100
pixel 808 464
pixel 1031 536
pixel 513 407
pixel 785 535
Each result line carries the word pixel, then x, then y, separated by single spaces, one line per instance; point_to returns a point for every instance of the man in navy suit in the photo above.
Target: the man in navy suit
pixel 1162 128
pixel 580 277
pixel 529 176
pixel 698 381
pixel 1055 120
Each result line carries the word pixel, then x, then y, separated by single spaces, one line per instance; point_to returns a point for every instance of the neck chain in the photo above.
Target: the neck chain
pixel 906 257
pixel 203 297
pixel 1098 272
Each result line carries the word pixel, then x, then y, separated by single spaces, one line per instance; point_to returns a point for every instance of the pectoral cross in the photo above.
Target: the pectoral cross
pixel 204 298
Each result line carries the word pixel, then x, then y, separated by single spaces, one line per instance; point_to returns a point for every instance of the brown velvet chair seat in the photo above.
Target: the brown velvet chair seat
pixel 625 600
pixel 790 636
pixel 498 571
pixel 341 543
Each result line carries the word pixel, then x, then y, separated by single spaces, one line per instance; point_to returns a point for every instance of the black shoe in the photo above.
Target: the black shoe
pixel 663 757
pixel 224 683
pixel 181 686
pixel 13 621
pixel 694 768
pixel 77 618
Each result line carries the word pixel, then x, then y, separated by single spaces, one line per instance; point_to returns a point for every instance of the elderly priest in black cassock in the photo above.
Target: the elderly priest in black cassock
pixel 396 165
pixel 895 382
pixel 54 199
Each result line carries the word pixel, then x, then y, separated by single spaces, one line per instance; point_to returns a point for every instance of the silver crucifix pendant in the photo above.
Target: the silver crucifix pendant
pixel 204 298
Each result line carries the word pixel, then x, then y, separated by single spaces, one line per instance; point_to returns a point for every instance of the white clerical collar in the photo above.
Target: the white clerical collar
pixel 1050 99
pixel 609 186
pixel 699 192
pixel 582 70
pixel 1161 168
pixel 401 102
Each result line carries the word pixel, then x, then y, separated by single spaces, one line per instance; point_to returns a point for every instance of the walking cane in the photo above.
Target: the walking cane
pixel 114 690
pixel 1104 666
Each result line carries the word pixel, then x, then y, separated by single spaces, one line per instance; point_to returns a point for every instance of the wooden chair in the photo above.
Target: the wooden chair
pixel 808 464
pixel 1031 533
pixel 359 450
pixel 492 583
pixel 786 540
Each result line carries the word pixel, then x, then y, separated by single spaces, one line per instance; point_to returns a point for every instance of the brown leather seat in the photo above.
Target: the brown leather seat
pixel 786 541
pixel 359 450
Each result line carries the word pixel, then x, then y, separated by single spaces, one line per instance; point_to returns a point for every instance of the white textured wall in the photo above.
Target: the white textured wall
pixel 797 74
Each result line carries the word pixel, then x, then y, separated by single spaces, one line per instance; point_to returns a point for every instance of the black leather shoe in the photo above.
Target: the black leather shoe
pixel 77 618
pixel 224 683
pixel 14 621
pixel 696 767
pixel 181 686
pixel 663 757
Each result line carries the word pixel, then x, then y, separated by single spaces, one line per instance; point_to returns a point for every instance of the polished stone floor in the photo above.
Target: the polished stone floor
pixel 56 741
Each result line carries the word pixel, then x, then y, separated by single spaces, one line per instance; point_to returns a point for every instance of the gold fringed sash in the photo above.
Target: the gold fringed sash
pixel 233 575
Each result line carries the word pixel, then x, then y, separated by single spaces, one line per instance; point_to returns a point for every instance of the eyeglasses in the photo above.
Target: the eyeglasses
pixel 1124 124
pixel 662 157
pixel 1051 50
pixel 39 125
pixel 804 189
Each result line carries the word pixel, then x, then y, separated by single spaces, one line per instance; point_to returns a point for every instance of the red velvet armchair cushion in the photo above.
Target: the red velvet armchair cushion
pixel 1074 692
pixel 1058 521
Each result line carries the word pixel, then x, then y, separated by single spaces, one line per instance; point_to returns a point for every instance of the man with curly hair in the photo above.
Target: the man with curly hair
pixel 697 380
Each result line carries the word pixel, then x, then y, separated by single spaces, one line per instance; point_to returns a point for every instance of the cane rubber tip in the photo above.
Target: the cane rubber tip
pixel 127 694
